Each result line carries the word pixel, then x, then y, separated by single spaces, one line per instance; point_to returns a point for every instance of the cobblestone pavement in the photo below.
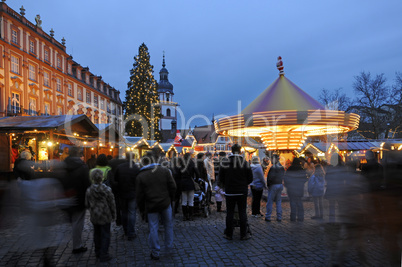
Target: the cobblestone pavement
pixel 199 243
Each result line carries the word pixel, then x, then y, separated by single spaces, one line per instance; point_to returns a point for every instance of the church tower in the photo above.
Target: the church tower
pixel 168 119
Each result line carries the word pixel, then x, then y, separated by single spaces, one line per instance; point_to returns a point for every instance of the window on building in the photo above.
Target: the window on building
pixel 46 79
pixel 14 36
pixel 102 104
pixel 58 85
pixel 70 89
pixel 59 110
pixel 79 93
pixel 32 46
pixel 108 107
pixel 96 104
pixel 88 97
pixel 168 112
pixel 96 120
pixel 167 97
pixel 46 55
pixel 47 109
pixel 15 103
pixel 113 107
pixel 59 62
pixel 32 106
pixel 69 68
pixel 87 78
pixel 15 64
pixel 32 72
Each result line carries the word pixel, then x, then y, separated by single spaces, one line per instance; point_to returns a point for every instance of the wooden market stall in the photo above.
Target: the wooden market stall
pixel 44 136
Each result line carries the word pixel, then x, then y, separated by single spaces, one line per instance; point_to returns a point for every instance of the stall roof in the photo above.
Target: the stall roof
pixel 166 146
pixel 351 146
pixel 58 123
pixel 135 141
pixel 152 142
pixel 102 126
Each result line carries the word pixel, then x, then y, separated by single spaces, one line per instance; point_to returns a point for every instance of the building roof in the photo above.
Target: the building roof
pixel 205 134
pixel 171 134
pixel 75 123
pixel 164 85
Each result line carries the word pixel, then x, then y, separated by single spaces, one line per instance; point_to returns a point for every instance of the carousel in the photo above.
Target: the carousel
pixel 283 116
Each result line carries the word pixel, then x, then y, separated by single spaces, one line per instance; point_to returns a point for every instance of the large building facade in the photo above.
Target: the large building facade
pixel 38 77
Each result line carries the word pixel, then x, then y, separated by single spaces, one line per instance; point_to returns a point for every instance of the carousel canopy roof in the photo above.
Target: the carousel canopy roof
pixel 282 94
pixel 283 116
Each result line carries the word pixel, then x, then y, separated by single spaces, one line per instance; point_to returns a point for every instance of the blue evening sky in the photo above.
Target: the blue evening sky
pixel 219 52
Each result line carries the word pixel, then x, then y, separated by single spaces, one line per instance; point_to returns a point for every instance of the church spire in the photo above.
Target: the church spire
pixel 163 64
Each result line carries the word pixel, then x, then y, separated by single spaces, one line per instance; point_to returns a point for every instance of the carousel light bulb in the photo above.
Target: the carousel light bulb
pixel 49 143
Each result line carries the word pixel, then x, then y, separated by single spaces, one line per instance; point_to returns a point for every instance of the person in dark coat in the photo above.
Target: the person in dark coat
pixel 76 183
pixel 124 179
pixel 391 199
pixel 113 164
pixel 203 174
pixel 155 189
pixel 91 162
pixel 275 188
pixel 23 166
pixel 294 180
pixel 235 175
pixel 335 176
pixel 188 173
pixel 174 167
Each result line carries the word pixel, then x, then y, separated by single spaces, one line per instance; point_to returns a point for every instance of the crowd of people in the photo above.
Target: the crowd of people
pixel 115 189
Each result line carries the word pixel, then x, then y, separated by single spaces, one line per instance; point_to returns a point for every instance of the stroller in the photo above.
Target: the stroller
pixel 201 205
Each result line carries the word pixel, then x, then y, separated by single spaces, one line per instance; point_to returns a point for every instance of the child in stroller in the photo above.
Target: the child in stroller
pixel 201 204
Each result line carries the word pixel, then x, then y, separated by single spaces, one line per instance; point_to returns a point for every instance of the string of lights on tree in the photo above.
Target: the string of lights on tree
pixel 142 98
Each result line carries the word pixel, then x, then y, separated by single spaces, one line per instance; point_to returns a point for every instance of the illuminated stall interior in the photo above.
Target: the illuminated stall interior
pixel 44 136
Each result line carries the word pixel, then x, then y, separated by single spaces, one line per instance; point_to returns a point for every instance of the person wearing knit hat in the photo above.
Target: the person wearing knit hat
pixel 100 201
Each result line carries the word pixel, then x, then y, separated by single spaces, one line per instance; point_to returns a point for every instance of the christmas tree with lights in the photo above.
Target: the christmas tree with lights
pixel 142 110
